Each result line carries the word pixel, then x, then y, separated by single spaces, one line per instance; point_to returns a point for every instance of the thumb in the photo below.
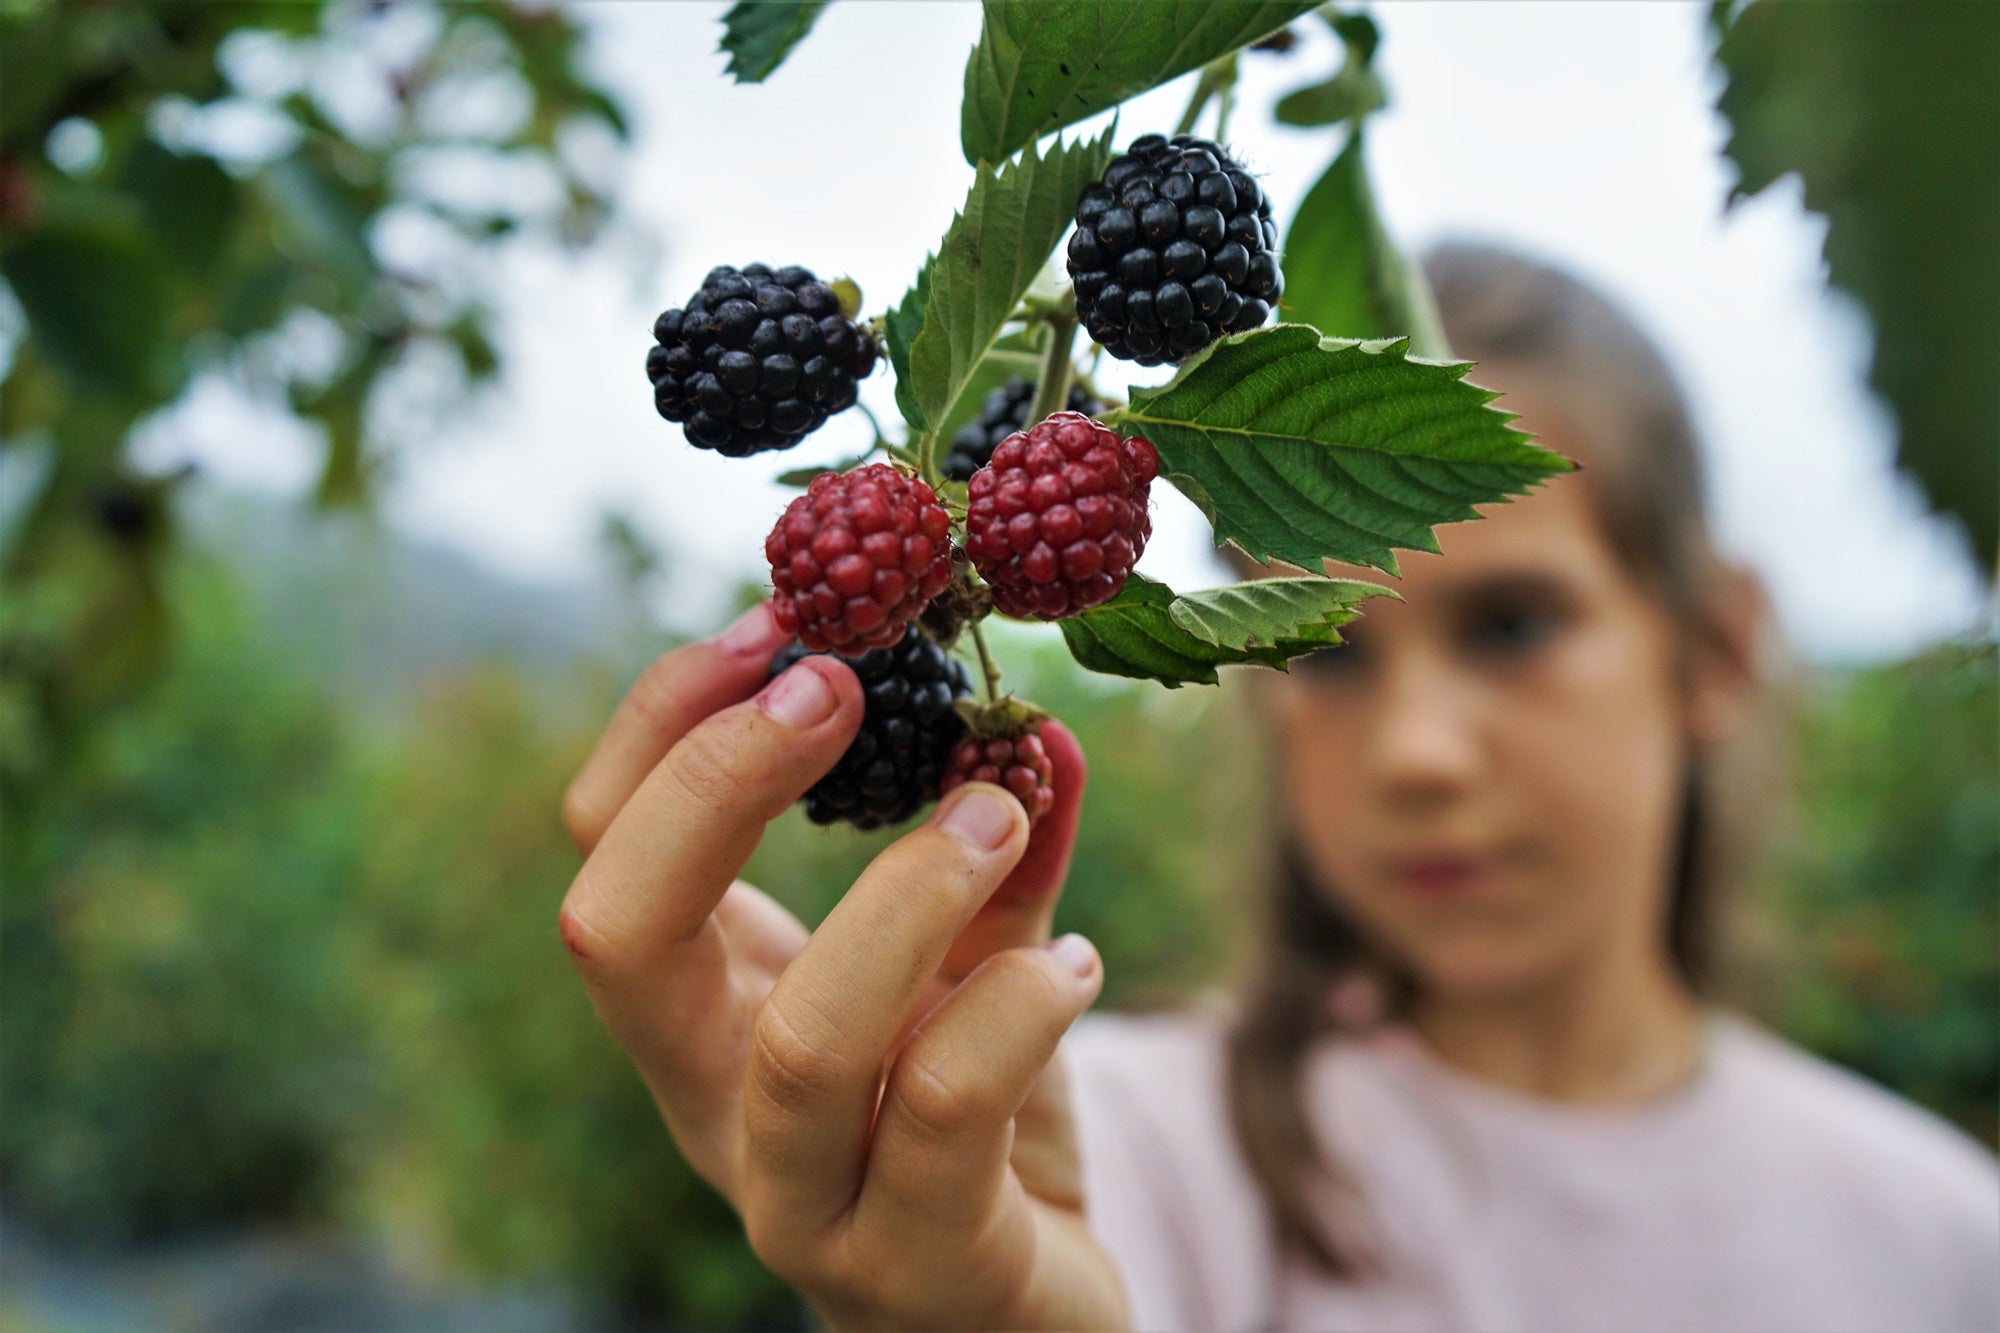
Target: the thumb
pixel 1020 910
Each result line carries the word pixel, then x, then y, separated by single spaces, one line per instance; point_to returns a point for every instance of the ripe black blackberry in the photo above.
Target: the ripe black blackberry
pixel 1004 412
pixel 1174 248
pixel 756 360
pixel 899 757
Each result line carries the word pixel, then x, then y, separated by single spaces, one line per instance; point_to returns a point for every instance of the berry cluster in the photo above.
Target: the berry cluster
pixel 1003 412
pixel 1056 521
pixel 1020 764
pixel 897 762
pixel 857 557
pixel 1174 248
pixel 756 360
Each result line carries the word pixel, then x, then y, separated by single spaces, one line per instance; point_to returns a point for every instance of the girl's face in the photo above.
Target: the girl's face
pixel 1487 775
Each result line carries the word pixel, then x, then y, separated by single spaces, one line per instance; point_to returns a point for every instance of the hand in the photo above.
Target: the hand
pixel 877 1100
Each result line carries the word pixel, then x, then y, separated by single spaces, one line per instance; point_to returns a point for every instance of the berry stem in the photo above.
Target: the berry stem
pixel 986 667
pixel 1216 76
pixel 1052 385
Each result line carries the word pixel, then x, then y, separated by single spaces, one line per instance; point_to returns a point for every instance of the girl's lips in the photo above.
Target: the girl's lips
pixel 1441 877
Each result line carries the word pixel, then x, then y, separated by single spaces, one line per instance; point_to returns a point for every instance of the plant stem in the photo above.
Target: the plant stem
pixel 1216 76
pixel 1052 385
pixel 986 666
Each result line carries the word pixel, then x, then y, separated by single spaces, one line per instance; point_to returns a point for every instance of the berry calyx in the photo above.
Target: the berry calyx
pixel 1056 521
pixel 1004 411
pixel 1174 248
pixel 758 359
pixel 1021 764
pixel 896 763
pixel 857 557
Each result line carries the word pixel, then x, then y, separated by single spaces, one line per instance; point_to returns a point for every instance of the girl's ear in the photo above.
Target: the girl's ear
pixel 1727 664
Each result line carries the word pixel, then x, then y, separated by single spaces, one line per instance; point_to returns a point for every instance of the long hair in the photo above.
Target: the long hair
pixel 1614 394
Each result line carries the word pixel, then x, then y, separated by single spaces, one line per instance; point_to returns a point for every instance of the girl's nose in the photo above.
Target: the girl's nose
pixel 1423 746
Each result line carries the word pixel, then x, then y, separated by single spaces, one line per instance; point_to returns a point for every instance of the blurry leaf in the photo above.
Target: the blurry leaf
pixel 759 34
pixel 1343 275
pixel 1352 92
pixel 1041 66
pixel 1011 220
pixel 475 349
pixel 1148 633
pixel 1886 111
pixel 258 299
pixel 189 203
pixel 324 214
pixel 1306 449
pixel 98 307
pixel 900 328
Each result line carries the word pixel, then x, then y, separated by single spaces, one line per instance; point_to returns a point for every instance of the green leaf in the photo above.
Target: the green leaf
pixel 98 306
pixel 1306 449
pixel 1012 219
pixel 1148 633
pixel 1352 92
pixel 1288 615
pixel 900 328
pixel 189 203
pixel 759 34
pixel 1886 112
pixel 1041 66
pixel 1343 275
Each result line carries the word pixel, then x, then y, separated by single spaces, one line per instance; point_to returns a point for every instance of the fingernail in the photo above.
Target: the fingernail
pixel 799 698
pixel 752 631
pixel 984 819
pixel 1074 952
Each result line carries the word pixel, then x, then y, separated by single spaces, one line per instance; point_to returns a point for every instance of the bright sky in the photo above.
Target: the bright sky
pixel 1582 133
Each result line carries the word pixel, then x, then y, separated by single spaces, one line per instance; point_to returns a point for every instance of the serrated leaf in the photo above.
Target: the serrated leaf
pixel 900 328
pixel 1041 66
pixel 757 35
pixel 1886 113
pixel 1343 275
pixel 1012 219
pixel 1288 615
pixel 1306 449
pixel 1148 633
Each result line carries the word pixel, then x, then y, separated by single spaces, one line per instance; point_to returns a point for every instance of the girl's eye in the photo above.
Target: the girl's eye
pixel 1508 632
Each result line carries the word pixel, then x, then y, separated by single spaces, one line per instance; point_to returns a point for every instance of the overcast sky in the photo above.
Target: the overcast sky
pixel 1581 132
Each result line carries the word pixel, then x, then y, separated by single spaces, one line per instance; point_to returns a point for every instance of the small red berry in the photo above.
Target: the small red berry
pixel 1021 765
pixel 1056 521
pixel 857 557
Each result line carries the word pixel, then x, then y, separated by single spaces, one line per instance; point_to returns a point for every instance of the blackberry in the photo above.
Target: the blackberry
pixel 857 558
pixel 1174 248
pixel 1056 521
pixel 908 730
pixel 756 360
pixel 1004 412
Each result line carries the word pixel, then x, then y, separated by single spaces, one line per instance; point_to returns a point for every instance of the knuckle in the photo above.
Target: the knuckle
pixel 655 696
pixel 774 1242
pixel 709 773
pixel 579 815
pixel 936 1101
pixel 1031 975
pixel 588 946
pixel 794 1072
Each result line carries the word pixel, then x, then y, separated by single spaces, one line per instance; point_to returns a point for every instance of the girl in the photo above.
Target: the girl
pixel 1471 1082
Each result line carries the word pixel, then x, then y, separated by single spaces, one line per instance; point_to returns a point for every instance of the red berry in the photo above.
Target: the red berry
pixel 1056 521
pixel 1021 765
pixel 857 557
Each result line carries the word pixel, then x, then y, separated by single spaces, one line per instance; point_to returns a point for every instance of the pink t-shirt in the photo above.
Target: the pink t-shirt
pixel 1775 1193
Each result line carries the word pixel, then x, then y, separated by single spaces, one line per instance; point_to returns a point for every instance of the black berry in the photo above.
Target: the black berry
pixel 757 360
pixel 908 730
pixel 1174 248
pixel 1004 412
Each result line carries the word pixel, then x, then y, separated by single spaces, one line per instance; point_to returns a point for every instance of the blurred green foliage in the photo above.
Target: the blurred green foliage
pixel 281 954
pixel 280 195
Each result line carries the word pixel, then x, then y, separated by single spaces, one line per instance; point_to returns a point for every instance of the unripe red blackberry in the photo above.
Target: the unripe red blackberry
pixel 756 360
pixel 857 557
pixel 1021 764
pixel 1004 411
pixel 1174 248
pixel 1056 521
pixel 896 762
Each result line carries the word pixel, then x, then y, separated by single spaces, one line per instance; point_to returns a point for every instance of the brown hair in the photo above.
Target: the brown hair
pixel 1615 395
